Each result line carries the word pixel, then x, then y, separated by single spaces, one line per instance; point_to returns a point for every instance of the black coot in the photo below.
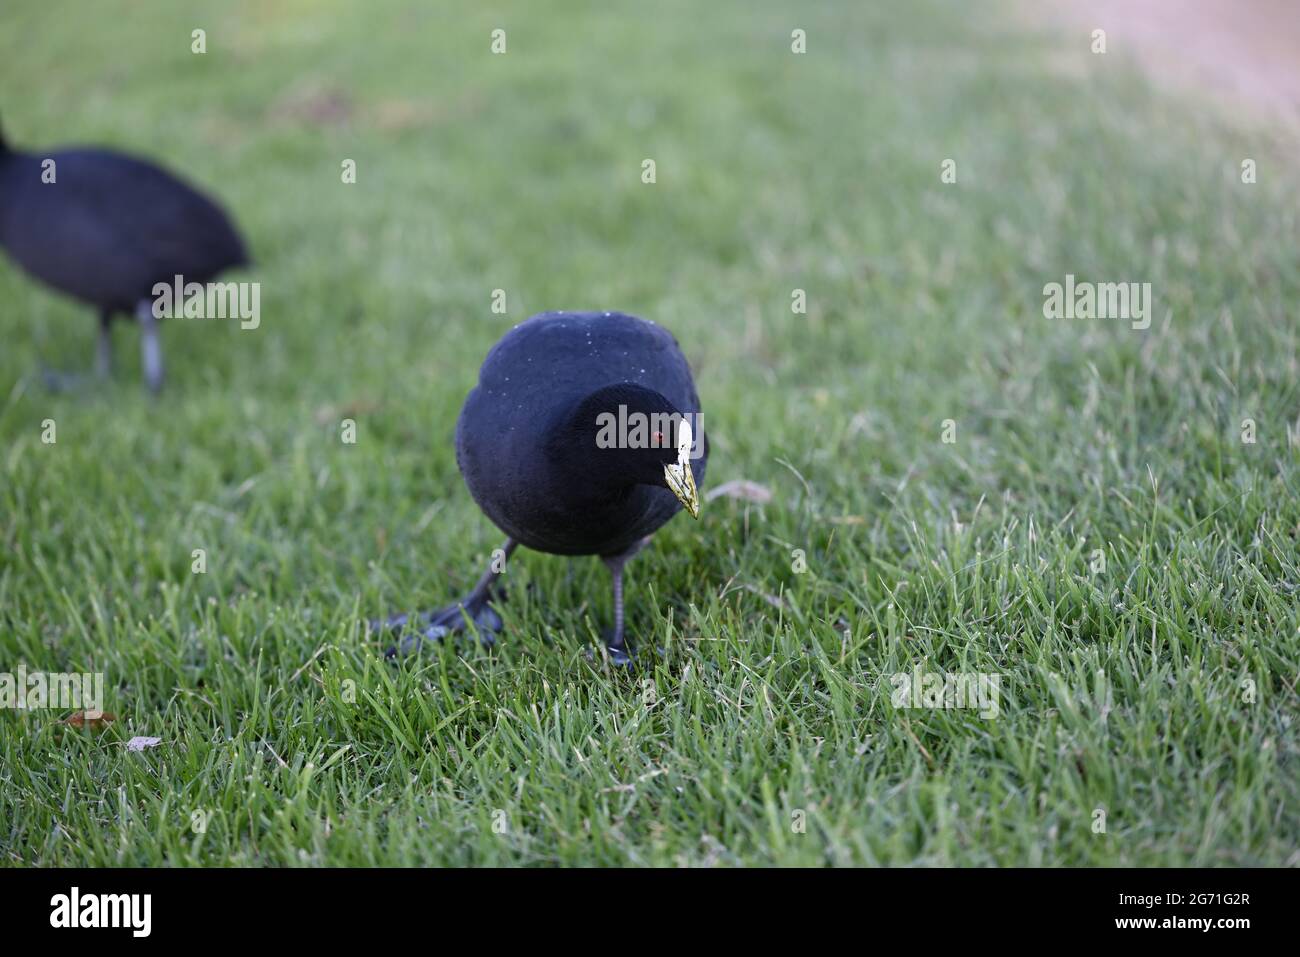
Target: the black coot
pixel 582 437
pixel 106 230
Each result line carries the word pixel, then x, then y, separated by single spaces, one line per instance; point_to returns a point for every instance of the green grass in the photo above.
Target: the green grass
pixel 1122 689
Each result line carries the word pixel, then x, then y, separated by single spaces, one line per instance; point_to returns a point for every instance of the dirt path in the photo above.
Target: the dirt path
pixel 1243 52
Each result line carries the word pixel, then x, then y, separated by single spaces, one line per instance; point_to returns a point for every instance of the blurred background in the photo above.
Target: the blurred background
pixel 776 171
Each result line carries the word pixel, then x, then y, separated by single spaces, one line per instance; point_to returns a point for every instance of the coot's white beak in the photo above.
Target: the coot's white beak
pixel 678 475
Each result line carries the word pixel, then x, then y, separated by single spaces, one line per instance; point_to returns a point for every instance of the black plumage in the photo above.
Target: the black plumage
pixel 107 228
pixel 533 447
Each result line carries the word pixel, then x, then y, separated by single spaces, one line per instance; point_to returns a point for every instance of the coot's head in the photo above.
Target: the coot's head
pixel 626 434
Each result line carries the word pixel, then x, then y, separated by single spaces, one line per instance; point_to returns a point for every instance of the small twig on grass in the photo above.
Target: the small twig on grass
pixel 917 741
pixel 283 764
pixel 319 651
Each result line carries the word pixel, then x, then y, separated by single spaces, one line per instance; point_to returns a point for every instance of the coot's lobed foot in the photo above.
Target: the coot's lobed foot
pixel 620 654
pixel 55 381
pixel 478 617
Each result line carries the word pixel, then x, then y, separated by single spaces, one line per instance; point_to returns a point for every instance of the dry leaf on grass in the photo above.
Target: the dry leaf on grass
pixel 772 600
pixel 95 720
pixel 743 489
pixel 140 743
pixel 314 105
pixel 355 409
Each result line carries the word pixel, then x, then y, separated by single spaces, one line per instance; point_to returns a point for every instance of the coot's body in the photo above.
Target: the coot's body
pixel 110 226
pixel 511 432
pixel 533 450
pixel 104 228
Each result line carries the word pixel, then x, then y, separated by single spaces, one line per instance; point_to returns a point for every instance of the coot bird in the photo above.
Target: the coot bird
pixel 104 227
pixel 581 438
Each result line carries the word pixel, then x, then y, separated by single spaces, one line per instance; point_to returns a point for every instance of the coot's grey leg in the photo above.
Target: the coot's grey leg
pixel 616 644
pixel 104 345
pixel 616 641
pixel 473 611
pixel 150 347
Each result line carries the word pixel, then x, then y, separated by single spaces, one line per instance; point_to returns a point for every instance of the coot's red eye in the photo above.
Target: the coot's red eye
pixel 659 440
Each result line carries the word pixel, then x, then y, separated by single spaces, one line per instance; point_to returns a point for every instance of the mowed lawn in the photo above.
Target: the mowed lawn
pixel 1097 533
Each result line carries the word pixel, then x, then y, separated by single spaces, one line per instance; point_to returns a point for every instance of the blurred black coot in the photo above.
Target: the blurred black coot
pixel 106 229
pixel 554 462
